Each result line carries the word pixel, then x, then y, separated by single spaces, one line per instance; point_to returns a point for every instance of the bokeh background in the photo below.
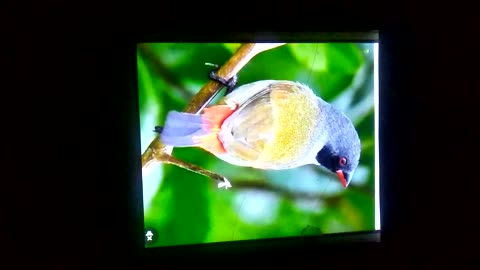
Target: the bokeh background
pixel 183 207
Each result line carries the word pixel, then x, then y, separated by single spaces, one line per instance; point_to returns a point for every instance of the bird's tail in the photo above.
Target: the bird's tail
pixel 187 130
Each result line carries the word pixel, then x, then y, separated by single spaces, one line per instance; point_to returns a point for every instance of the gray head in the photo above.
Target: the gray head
pixel 341 152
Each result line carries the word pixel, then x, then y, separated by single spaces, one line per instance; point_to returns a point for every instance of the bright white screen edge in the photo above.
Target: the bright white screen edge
pixel 377 161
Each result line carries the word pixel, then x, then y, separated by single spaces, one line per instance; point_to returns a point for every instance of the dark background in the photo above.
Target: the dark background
pixel 65 176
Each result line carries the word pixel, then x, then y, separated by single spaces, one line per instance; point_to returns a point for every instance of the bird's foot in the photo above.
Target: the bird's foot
pixel 230 84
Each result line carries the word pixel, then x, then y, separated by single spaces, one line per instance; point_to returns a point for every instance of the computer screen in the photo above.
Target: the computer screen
pixel 267 140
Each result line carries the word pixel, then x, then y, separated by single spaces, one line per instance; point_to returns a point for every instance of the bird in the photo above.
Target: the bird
pixel 269 125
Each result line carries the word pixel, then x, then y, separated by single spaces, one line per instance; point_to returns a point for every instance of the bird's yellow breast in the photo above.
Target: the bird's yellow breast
pixel 295 115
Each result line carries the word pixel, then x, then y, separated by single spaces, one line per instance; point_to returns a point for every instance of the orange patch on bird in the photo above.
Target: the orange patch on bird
pixel 210 143
pixel 212 118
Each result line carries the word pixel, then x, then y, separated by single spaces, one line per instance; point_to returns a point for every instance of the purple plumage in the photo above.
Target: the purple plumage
pixel 180 128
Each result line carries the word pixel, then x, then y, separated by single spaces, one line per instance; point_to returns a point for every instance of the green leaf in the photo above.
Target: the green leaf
pixel 333 84
pixel 149 102
pixel 311 230
pixel 343 57
pixel 358 209
pixel 194 67
pixel 232 47
pixel 180 215
pixel 172 54
pixel 275 64
pixel 144 81
pixel 334 221
pixel 311 55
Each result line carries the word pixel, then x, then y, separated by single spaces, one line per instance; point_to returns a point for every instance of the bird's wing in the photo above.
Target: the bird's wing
pixel 246 132
pixel 253 133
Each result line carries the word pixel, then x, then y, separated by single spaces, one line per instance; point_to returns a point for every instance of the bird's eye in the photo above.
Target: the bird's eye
pixel 342 161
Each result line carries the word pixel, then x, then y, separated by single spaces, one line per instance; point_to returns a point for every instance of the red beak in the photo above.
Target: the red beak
pixel 342 178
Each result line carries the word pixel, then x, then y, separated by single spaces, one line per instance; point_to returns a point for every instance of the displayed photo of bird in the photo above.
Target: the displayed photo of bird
pixel 270 125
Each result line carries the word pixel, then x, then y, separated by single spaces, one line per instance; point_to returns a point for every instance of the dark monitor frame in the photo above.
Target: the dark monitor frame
pixel 211 250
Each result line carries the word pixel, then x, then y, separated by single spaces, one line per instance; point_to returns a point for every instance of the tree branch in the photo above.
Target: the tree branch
pixel 158 152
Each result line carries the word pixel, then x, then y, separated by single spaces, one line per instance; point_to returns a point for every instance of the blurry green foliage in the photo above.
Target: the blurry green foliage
pixel 187 208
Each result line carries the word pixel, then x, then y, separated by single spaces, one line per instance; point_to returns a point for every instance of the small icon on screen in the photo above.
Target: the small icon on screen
pixel 150 235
